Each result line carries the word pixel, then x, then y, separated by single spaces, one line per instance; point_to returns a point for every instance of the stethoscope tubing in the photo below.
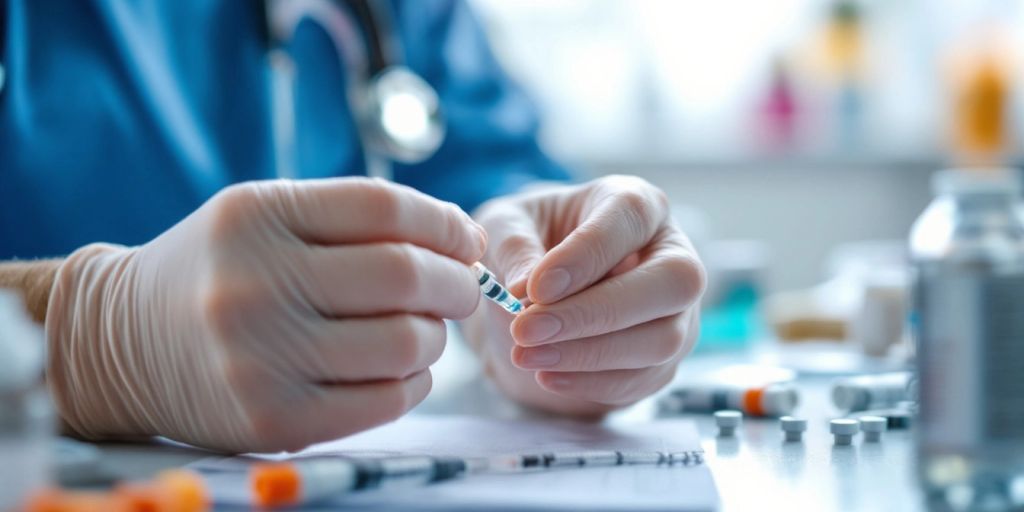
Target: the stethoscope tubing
pixel 283 17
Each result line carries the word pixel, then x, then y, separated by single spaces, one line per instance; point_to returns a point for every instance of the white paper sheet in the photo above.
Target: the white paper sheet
pixel 595 488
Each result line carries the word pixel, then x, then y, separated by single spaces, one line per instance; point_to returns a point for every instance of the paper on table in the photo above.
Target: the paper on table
pixel 595 488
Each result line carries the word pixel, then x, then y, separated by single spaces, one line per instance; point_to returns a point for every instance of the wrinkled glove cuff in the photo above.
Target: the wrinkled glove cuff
pixel 84 326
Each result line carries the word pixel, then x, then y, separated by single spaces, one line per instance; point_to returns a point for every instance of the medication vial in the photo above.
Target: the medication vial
pixel 494 290
pixel 967 253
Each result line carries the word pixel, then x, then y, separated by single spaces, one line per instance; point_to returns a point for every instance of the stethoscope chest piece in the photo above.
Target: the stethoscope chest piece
pixel 400 116
pixel 396 112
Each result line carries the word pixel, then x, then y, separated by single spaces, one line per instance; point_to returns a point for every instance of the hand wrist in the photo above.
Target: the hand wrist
pixel 33 280
pixel 79 371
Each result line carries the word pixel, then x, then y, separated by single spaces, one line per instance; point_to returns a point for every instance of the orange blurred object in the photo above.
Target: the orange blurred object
pixel 58 500
pixel 171 491
pixel 979 77
pixel 835 53
pixel 144 497
pixel 811 329
pixel 276 485
pixel 843 40
pixel 189 493
pixel 979 111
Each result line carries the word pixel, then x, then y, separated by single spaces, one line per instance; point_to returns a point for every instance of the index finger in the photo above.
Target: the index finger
pixel 669 279
pixel 627 215
pixel 362 210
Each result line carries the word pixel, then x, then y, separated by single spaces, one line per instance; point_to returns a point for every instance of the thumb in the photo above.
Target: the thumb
pixel 514 247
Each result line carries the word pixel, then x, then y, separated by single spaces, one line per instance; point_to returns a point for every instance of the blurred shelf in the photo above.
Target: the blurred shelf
pixel 771 162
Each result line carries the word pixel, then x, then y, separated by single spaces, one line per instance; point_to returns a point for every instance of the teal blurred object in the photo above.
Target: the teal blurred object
pixel 731 317
pixel 734 321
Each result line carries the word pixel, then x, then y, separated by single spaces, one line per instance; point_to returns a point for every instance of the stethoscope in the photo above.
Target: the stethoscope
pixel 397 113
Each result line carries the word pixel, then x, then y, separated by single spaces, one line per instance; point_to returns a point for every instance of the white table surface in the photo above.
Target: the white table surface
pixel 755 470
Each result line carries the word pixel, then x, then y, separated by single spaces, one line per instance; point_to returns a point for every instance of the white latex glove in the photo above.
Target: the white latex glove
pixel 277 315
pixel 615 291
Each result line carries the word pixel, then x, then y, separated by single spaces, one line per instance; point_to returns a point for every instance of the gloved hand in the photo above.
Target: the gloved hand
pixel 278 314
pixel 614 287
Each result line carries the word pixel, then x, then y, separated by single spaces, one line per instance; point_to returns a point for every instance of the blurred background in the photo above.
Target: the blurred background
pixel 796 138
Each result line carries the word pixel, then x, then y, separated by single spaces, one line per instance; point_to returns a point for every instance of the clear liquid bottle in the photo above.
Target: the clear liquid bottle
pixel 26 416
pixel 967 252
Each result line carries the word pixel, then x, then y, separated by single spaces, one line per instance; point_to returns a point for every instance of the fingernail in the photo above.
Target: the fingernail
pixel 540 357
pixel 518 278
pixel 482 240
pixel 539 327
pixel 558 382
pixel 553 283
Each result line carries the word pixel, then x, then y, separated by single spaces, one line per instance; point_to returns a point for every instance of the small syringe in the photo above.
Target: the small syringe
pixel 495 291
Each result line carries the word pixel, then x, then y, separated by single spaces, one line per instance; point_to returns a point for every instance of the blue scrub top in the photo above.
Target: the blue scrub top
pixel 118 118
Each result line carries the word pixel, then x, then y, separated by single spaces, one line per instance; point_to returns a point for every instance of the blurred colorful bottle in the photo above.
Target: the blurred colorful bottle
pixel 777 111
pixel 845 48
pixel 980 90
pixel 730 314
pixel 844 39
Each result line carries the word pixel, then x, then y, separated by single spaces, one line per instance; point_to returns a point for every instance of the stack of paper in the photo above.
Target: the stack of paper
pixel 588 488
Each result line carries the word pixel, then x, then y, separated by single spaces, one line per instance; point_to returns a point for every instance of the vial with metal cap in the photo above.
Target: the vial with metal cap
pixel 967 320
pixel 770 400
pixel 864 392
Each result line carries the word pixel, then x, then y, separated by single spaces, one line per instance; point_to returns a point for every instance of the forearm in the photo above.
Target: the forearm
pixel 33 280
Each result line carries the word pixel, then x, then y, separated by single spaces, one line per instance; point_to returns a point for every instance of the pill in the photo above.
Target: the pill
pixel 843 430
pixel 873 426
pixel 793 428
pixel 727 422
